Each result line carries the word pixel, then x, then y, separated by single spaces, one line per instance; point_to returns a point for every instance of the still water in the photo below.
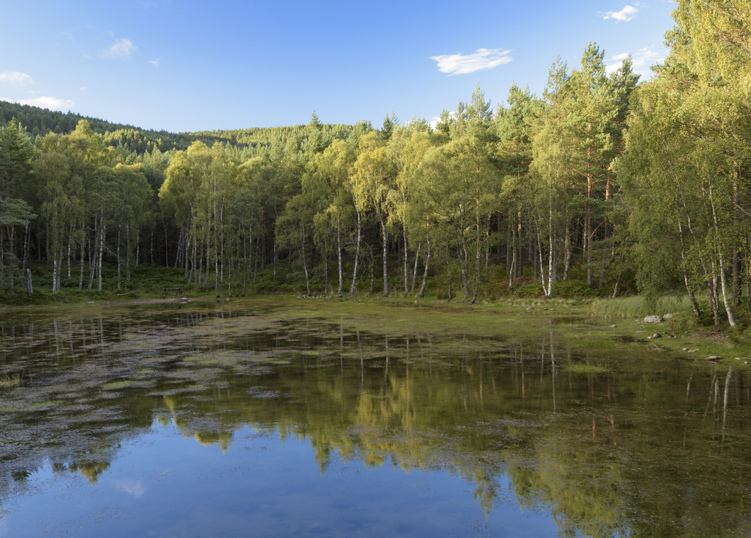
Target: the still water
pixel 219 420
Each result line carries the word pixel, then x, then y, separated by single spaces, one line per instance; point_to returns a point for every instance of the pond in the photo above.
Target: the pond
pixel 259 419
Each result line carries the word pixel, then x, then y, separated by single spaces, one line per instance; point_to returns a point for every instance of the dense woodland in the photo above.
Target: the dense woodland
pixel 616 184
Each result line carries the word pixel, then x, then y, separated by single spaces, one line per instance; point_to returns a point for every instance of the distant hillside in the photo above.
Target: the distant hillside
pixel 40 121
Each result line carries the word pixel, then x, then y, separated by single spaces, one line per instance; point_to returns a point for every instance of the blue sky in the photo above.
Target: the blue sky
pixel 188 66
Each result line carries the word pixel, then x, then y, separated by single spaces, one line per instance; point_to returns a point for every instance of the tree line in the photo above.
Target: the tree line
pixel 616 182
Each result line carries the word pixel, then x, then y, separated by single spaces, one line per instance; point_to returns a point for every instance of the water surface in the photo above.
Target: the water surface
pixel 203 420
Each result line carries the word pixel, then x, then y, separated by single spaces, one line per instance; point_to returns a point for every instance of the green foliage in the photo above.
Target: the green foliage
pixel 596 188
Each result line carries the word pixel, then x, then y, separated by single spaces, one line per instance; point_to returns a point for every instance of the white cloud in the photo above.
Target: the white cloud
pixel 15 78
pixel 131 487
pixel 121 49
pixel 53 103
pixel 624 15
pixel 641 61
pixel 155 63
pixel 461 64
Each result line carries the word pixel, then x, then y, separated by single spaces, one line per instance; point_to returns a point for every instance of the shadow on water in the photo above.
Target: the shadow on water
pixel 599 450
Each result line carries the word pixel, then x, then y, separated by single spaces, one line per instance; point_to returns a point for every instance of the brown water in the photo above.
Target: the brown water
pixel 215 420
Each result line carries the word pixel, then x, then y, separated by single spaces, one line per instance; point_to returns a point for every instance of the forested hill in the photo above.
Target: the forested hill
pixel 41 121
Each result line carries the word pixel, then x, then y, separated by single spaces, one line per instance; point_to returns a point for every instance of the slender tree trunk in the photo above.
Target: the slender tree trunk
pixel 450 283
pixel 304 261
pixel 229 265
pixel 339 254
pixel 551 247
pixel 414 272
pixel 70 239
pixel 255 260
pixel 358 238
pixel 245 257
pixel 325 270
pixel 567 248
pixel 463 255
pixel 478 257
pixel 83 254
pixel 25 247
pixel 406 262
pixel 119 228
pixel 221 241
pixel 101 252
pixel 425 273
pixel 384 239
pixel 712 295
pixel 372 270
pixel 545 290
pixel 689 289
pixel 54 274
pixel 718 247
pixel 129 250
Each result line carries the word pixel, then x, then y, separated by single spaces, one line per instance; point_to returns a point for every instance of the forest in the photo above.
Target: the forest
pixel 602 185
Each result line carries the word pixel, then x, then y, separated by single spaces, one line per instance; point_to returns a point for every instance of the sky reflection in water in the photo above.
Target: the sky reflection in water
pixel 162 484
pixel 151 421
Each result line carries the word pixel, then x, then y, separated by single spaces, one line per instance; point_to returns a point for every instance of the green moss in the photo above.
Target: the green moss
pixel 117 385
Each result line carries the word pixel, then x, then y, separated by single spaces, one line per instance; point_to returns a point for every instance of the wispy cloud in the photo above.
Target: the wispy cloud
pixel 155 63
pixel 15 78
pixel 121 49
pixel 462 64
pixel 641 61
pixel 624 15
pixel 131 487
pixel 53 103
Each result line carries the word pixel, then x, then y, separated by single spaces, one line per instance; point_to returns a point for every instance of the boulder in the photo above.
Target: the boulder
pixel 653 319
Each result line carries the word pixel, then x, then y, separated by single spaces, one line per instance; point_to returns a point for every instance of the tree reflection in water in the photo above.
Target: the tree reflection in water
pixel 656 448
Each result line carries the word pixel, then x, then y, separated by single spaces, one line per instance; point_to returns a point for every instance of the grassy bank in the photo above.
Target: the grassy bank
pixel 601 324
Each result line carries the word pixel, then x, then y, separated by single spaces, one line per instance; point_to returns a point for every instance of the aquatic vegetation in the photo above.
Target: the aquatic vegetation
pixel 10 380
pixel 586 368
pixel 118 384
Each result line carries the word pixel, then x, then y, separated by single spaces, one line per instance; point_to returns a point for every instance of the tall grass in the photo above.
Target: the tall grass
pixel 637 306
pixel 10 380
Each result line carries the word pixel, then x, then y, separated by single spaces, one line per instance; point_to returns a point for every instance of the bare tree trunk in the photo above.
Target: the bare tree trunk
pixel 372 270
pixel 451 287
pixel 552 249
pixel 339 254
pixel 358 238
pixel 690 291
pixel 511 250
pixel 463 257
pixel 70 239
pixel 406 262
pixel 83 255
pixel 119 228
pixel 304 261
pixel 567 247
pixel 384 239
pixel 425 273
pixel 101 252
pixel 414 273
pixel 25 247
pixel 718 247
pixel 229 265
